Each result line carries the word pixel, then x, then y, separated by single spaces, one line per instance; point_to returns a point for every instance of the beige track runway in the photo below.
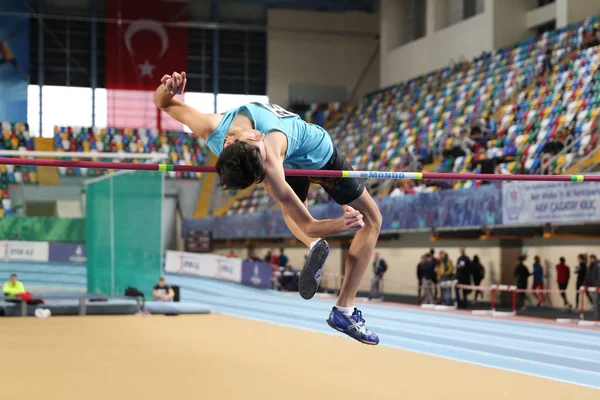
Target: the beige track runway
pixel 222 357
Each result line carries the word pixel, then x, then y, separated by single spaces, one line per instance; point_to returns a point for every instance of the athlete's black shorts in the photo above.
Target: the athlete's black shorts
pixel 342 190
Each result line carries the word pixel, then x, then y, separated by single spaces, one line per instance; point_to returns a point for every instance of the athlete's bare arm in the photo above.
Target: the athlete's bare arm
pixel 276 185
pixel 164 98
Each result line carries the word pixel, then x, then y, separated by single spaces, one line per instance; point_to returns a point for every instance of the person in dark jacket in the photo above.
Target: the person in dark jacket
pixel 463 276
pixel 563 274
pixel 581 272
pixel 478 272
pixel 522 274
pixel 593 280
pixel 428 276
pixel 420 268
pixel 379 268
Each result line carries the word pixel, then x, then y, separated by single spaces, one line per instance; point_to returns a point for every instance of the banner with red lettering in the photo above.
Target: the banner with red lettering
pixel 140 48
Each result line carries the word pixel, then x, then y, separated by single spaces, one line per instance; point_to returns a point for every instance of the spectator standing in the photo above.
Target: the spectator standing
pixel 274 259
pixel 478 272
pixel 522 274
pixel 538 281
pixel 420 267
pixel 268 257
pixel 428 278
pixel 379 269
pixel 463 275
pixel 593 280
pixel 162 291
pixel 13 287
pixel 563 274
pixel 436 264
pixel 283 259
pixel 581 272
pixel 445 274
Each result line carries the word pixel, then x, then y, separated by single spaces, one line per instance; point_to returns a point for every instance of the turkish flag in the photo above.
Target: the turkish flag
pixel 139 49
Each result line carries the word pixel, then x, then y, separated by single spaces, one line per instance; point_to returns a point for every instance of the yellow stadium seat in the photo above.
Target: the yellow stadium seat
pixel 562 119
pixel 6 134
pixel 595 113
pixel 33 177
pixel 1 212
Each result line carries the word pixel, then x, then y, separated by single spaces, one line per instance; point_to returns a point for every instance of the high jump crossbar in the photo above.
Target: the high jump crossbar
pixel 302 172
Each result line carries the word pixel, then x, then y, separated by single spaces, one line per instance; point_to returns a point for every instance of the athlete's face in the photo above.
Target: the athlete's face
pixel 252 137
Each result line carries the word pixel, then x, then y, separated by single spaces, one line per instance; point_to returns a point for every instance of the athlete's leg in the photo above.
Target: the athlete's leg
pixel 310 276
pixel 361 249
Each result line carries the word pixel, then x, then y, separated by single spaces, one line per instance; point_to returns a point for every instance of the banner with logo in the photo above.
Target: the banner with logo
pixel 24 251
pixel 481 206
pixel 204 265
pixel 542 202
pixel 67 253
pixel 257 274
pixel 14 61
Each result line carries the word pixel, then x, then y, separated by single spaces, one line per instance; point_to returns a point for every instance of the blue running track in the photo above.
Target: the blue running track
pixel 565 354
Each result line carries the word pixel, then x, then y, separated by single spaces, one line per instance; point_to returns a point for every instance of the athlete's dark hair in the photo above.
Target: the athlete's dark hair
pixel 239 166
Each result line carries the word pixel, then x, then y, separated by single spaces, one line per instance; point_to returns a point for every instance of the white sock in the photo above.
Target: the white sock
pixel 347 311
pixel 313 244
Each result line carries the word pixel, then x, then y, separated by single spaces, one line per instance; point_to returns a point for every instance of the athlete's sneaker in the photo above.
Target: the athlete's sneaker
pixel 310 276
pixel 353 326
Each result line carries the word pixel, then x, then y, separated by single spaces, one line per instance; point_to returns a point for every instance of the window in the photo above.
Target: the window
pixel 72 106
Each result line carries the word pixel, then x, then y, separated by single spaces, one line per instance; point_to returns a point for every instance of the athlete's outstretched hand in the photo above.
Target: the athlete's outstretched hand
pixel 175 83
pixel 353 218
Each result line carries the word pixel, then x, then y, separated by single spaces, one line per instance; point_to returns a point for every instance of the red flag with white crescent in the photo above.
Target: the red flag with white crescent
pixel 139 49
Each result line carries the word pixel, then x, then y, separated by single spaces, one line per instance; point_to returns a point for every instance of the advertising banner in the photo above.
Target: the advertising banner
pixel 481 206
pixel 43 229
pixel 24 251
pixel 67 253
pixel 204 265
pixel 256 274
pixel 536 203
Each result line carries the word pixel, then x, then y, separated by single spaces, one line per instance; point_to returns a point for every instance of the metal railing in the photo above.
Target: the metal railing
pixel 590 167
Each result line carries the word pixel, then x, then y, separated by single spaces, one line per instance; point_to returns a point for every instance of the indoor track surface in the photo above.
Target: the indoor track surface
pixel 272 345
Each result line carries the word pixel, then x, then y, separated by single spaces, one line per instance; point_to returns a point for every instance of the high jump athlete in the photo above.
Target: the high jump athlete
pixel 254 142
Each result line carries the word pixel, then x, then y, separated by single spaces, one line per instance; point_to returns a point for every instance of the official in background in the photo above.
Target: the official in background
pixel 538 281
pixel 478 272
pixel 13 287
pixel 581 272
pixel 162 291
pixel 379 269
pixel 428 277
pixel 563 274
pixel 463 275
pixel 522 274
pixel 593 280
